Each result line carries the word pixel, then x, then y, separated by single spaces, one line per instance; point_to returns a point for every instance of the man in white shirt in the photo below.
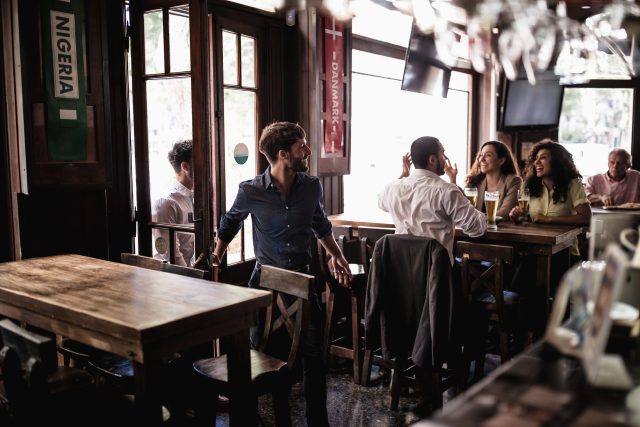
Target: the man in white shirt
pixel 175 207
pixel 422 204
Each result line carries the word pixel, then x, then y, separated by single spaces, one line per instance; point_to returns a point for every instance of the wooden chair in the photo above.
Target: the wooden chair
pixel 350 346
pixel 483 285
pixel 141 261
pixel 183 271
pixel 411 274
pixel 290 296
pixel 35 387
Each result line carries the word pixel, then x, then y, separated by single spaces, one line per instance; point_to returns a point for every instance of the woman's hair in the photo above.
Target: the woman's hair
pixel 563 170
pixel 508 167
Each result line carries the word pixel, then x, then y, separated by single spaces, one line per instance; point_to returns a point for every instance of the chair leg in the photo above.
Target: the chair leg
pixel 365 377
pixel 281 406
pixel 328 321
pixel 206 404
pixel 504 346
pixel 396 379
pixel 355 338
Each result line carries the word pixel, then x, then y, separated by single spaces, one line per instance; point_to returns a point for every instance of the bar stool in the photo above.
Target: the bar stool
pixel 348 347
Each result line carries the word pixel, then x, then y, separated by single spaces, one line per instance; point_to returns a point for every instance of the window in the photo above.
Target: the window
pixel 240 92
pixel 590 133
pixel 384 125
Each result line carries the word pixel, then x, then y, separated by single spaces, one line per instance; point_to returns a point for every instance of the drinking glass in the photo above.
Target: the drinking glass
pixel 523 203
pixel 472 195
pixel 491 205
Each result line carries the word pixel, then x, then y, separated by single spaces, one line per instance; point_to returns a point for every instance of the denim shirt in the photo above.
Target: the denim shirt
pixel 282 224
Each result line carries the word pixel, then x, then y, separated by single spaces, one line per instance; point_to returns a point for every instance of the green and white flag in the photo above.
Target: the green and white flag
pixel 66 104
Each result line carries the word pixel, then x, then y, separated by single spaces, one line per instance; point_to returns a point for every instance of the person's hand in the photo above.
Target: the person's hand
pixel 406 165
pixel 539 219
pixel 451 171
pixel 606 200
pixel 215 260
pixel 515 213
pixel 340 269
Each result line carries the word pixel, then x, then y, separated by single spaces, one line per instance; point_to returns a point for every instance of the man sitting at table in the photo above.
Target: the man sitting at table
pixel 616 186
pixel 286 206
pixel 424 205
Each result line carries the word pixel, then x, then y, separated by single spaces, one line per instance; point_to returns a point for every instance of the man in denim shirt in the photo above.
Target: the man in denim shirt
pixel 287 210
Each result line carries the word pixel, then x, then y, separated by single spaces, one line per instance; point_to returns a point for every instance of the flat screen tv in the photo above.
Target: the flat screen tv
pixel 532 106
pixel 423 71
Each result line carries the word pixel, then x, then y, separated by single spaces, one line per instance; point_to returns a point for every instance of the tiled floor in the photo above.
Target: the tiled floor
pixel 351 405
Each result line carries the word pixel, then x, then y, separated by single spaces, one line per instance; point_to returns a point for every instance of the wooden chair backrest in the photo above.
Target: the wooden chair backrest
pixel 356 251
pixel 184 271
pixel 141 261
pixel 491 278
pixel 374 233
pixel 26 360
pixel 281 310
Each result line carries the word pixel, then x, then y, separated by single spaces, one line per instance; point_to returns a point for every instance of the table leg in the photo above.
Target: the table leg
pixel 543 279
pixel 147 400
pixel 243 403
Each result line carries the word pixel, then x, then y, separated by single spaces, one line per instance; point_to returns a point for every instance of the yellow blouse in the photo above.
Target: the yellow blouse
pixel 546 206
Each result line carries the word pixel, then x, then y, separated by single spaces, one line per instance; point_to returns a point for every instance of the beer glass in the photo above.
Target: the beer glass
pixel 491 205
pixel 523 203
pixel 472 195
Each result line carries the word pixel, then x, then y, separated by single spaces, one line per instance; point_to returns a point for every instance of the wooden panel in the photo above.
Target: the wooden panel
pixel 57 221
pixel 289 282
pixel 93 170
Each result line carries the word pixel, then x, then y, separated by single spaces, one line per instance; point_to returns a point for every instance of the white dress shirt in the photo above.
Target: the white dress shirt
pixel 174 209
pixel 424 205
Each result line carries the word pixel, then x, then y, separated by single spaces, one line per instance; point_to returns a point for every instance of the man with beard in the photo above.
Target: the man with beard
pixel 286 207
pixel 422 204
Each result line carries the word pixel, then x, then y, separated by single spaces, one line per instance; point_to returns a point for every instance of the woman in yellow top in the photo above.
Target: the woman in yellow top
pixel 556 192
pixel 495 170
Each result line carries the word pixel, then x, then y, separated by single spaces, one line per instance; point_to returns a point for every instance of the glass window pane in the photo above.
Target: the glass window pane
pixel 376 151
pixel 248 61
pixel 229 58
pixel 179 44
pixel 169 120
pixel 240 149
pixel 258 4
pixel 589 132
pixel 369 23
pixel 379 65
pixel 153 44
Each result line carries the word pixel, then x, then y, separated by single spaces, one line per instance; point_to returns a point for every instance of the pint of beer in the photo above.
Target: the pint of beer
pixel 471 194
pixel 491 205
pixel 523 203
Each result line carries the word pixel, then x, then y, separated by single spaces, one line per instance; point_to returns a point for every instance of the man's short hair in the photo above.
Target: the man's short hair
pixel 622 151
pixel 182 151
pixel 279 136
pixel 422 148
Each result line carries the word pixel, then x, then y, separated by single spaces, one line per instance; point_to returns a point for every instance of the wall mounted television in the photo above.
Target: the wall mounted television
pixel 527 106
pixel 423 71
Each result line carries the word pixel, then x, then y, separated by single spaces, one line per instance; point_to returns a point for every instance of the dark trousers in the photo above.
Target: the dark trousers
pixel 313 369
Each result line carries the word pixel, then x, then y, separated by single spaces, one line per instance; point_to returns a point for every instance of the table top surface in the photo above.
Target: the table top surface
pixel 121 300
pixel 508 232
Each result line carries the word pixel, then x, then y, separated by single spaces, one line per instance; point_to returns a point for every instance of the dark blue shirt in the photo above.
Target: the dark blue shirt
pixel 282 224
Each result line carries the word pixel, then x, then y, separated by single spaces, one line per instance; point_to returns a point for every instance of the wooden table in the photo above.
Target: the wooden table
pixel 543 241
pixel 141 314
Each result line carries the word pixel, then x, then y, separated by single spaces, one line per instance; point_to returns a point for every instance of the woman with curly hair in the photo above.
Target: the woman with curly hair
pixel 557 194
pixel 495 170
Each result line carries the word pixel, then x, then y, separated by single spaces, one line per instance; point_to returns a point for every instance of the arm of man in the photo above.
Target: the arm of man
pixel 230 224
pixel 464 215
pixel 591 189
pixel 337 264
